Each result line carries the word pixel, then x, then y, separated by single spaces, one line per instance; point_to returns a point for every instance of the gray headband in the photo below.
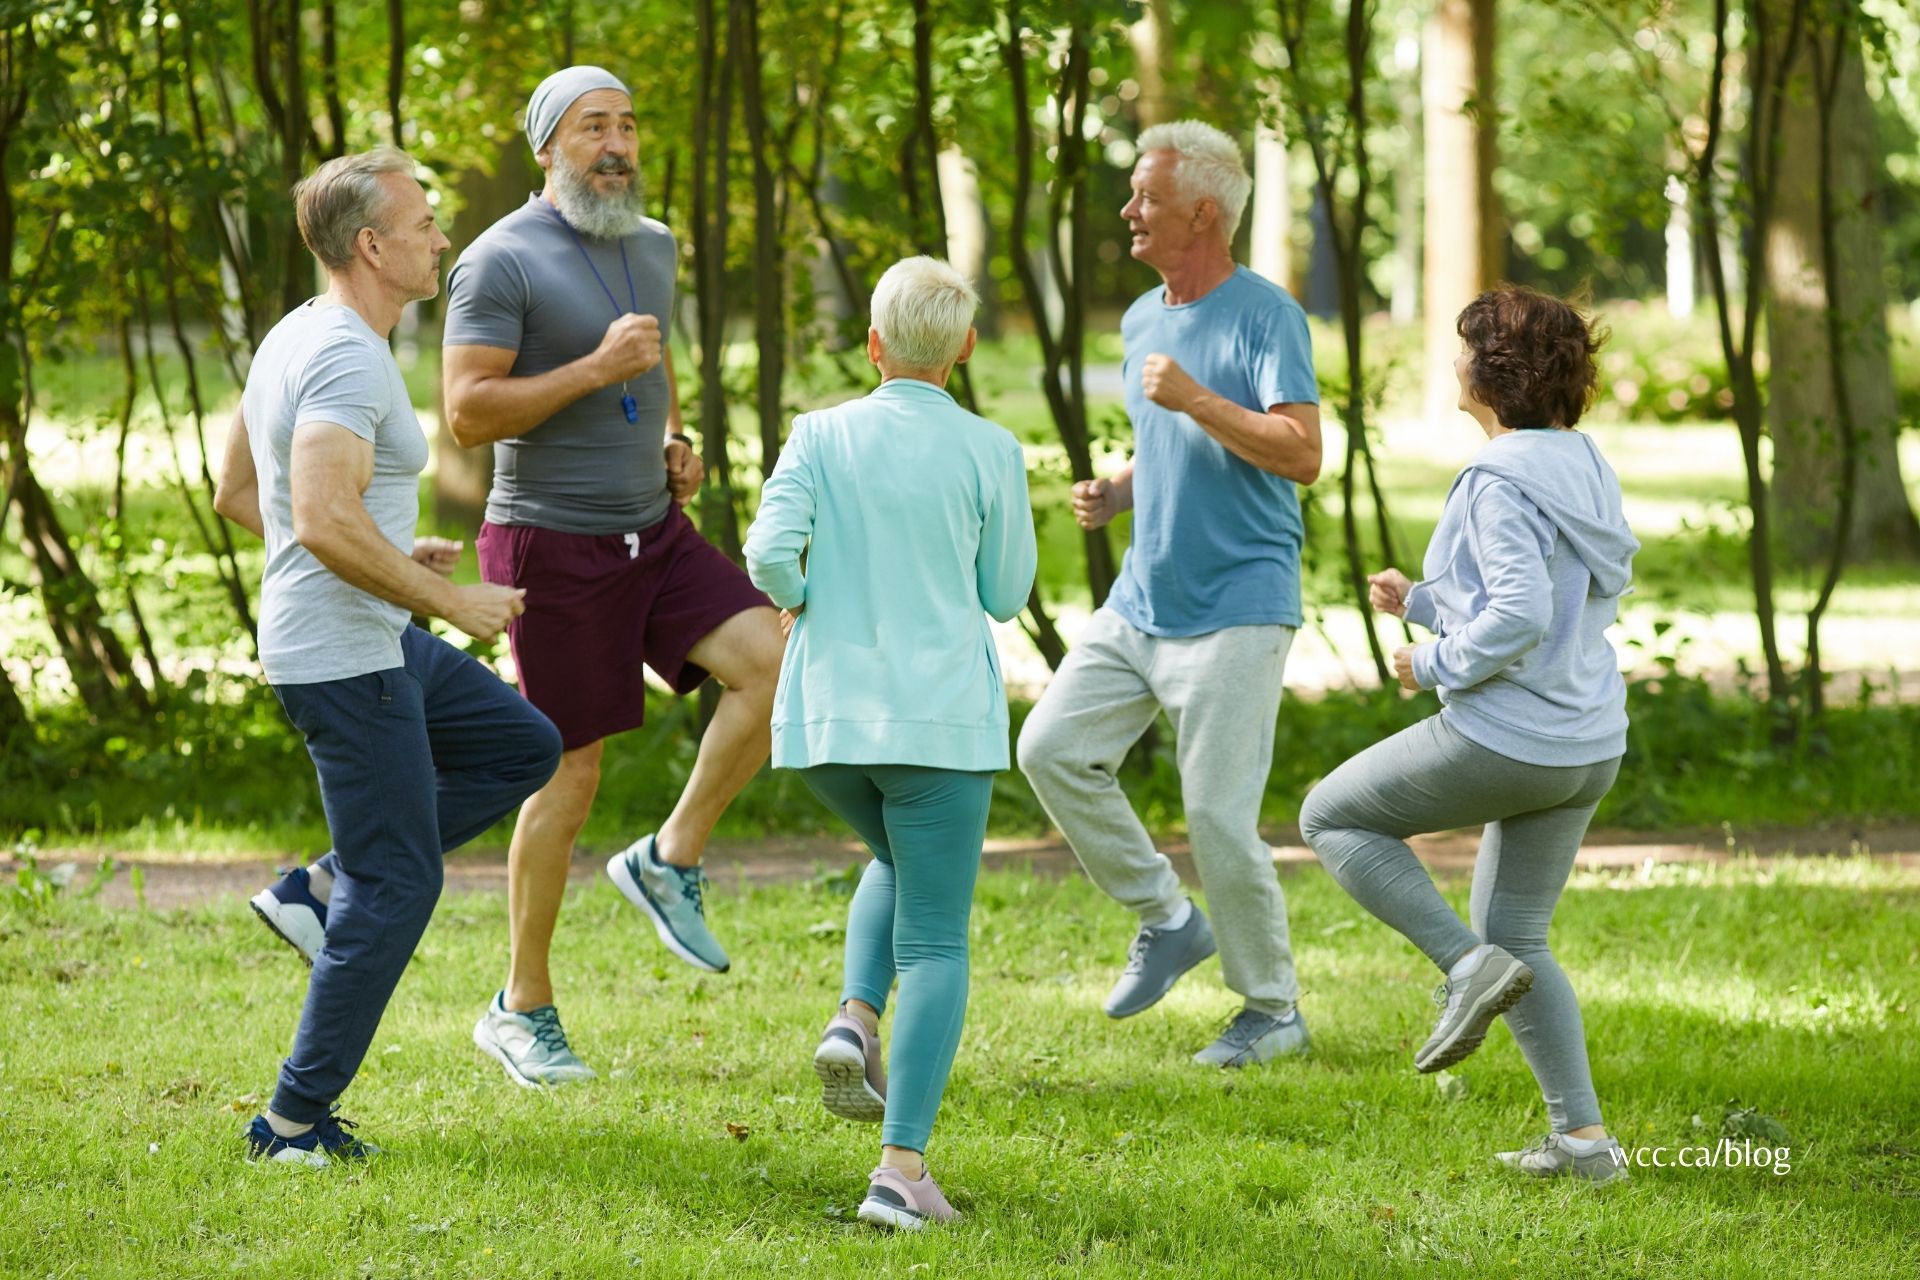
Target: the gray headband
pixel 558 92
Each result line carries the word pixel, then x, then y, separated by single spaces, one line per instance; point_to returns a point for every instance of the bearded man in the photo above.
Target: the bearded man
pixel 553 356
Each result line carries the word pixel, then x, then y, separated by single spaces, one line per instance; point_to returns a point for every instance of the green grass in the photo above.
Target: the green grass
pixel 138 1044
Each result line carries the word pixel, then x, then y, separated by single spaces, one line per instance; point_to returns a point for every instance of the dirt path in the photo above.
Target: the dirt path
pixel 177 884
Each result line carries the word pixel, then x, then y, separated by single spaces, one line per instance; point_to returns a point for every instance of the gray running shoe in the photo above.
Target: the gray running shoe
pixel 1155 962
pixel 1493 983
pixel 853 1084
pixel 672 898
pixel 1551 1157
pixel 1254 1037
pixel 893 1200
pixel 532 1046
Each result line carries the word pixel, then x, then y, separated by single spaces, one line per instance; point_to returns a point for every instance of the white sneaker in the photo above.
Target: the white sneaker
pixel 296 917
pixel 532 1047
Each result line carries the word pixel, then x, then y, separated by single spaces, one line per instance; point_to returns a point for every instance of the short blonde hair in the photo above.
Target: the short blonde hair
pixel 1210 167
pixel 922 309
pixel 342 196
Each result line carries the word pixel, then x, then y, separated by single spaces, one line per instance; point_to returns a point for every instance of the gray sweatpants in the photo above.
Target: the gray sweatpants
pixel 1430 778
pixel 1222 693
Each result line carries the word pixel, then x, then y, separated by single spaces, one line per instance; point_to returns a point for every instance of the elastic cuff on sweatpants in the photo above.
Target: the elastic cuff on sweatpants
pixel 300 1110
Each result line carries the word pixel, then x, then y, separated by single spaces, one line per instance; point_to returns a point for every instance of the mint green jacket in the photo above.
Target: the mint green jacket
pixel 913 518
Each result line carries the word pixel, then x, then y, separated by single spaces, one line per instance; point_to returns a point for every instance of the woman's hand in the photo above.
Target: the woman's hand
pixel 1387 592
pixel 787 618
pixel 1403 667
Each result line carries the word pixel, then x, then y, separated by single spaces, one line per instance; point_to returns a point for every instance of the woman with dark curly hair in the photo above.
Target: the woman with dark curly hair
pixel 1523 577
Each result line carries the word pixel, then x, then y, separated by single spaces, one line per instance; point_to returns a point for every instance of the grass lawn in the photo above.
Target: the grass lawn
pixel 137 1044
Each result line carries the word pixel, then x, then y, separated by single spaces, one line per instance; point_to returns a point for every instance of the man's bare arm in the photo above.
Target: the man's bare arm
pixel 237 493
pixel 330 470
pixel 485 402
pixel 675 424
pixel 1284 440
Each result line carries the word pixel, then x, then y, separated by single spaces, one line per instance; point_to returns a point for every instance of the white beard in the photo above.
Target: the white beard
pixel 608 216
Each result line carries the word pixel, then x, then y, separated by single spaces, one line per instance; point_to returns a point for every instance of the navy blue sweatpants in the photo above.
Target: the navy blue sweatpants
pixel 413 761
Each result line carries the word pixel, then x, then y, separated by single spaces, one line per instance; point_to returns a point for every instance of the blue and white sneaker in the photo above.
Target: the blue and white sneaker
pixel 1253 1037
pixel 671 897
pixel 531 1046
pixel 296 917
pixel 327 1140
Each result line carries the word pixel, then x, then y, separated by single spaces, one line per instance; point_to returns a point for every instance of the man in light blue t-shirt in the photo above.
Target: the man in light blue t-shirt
pixel 1226 418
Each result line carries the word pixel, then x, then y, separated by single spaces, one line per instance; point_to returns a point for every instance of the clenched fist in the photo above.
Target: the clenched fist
pixel 1168 385
pixel 685 471
pixel 630 348
pixel 1403 668
pixel 483 610
pixel 1095 503
pixel 1387 592
pixel 438 554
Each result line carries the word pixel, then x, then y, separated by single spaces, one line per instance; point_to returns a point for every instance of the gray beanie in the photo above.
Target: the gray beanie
pixel 558 92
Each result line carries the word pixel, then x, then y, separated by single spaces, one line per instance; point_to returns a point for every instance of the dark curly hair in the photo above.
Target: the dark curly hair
pixel 1532 356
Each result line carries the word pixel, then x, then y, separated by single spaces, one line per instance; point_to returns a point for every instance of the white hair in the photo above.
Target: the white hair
pixel 1210 167
pixel 342 197
pixel 922 309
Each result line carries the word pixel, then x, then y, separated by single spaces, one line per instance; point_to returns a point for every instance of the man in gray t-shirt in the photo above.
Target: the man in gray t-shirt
pixel 418 747
pixel 553 356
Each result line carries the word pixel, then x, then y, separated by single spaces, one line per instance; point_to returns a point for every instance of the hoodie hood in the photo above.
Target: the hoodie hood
pixel 1563 474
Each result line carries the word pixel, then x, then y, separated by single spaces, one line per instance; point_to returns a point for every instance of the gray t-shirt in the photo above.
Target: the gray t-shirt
pixel 524 285
pixel 322 364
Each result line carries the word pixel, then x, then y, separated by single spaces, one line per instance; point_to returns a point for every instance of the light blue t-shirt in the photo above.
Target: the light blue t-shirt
pixel 1216 540
pixel 322 364
pixel 914 519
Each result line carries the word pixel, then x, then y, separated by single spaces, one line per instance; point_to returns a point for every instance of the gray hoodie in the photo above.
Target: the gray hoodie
pixel 1522 579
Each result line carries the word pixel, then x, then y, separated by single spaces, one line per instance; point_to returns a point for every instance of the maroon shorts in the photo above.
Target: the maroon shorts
pixel 600 605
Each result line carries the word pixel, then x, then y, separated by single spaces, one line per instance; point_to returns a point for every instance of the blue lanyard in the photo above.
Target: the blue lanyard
pixel 629 407
pixel 633 303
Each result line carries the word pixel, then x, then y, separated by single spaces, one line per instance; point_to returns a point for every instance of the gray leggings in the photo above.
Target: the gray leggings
pixel 1430 778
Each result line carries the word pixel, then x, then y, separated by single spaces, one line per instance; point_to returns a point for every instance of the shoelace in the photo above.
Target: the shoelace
pixel 1247 1026
pixel 547 1030
pixel 327 1130
pixel 1137 952
pixel 693 884
pixel 1442 994
pixel 1538 1148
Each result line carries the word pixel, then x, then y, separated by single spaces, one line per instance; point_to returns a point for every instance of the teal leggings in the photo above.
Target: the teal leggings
pixel 909 917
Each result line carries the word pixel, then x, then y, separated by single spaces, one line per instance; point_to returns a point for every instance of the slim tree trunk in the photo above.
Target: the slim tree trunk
pixel 1329 152
pixel 93 653
pixel 1773 43
pixel 713 103
pixel 1061 345
pixel 769 275
pixel 1463 230
pixel 396 67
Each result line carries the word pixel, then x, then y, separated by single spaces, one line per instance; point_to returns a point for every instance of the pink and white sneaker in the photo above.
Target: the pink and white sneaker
pixel 894 1200
pixel 853 1082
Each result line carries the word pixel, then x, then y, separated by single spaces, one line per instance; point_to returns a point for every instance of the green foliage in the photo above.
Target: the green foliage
pixel 220 768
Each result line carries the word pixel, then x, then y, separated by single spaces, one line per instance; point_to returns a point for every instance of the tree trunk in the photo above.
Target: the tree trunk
pixel 769 273
pixel 462 477
pixel 1152 38
pixel 1464 235
pixel 712 122
pixel 1062 341
pixel 1802 414
pixel 1270 244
